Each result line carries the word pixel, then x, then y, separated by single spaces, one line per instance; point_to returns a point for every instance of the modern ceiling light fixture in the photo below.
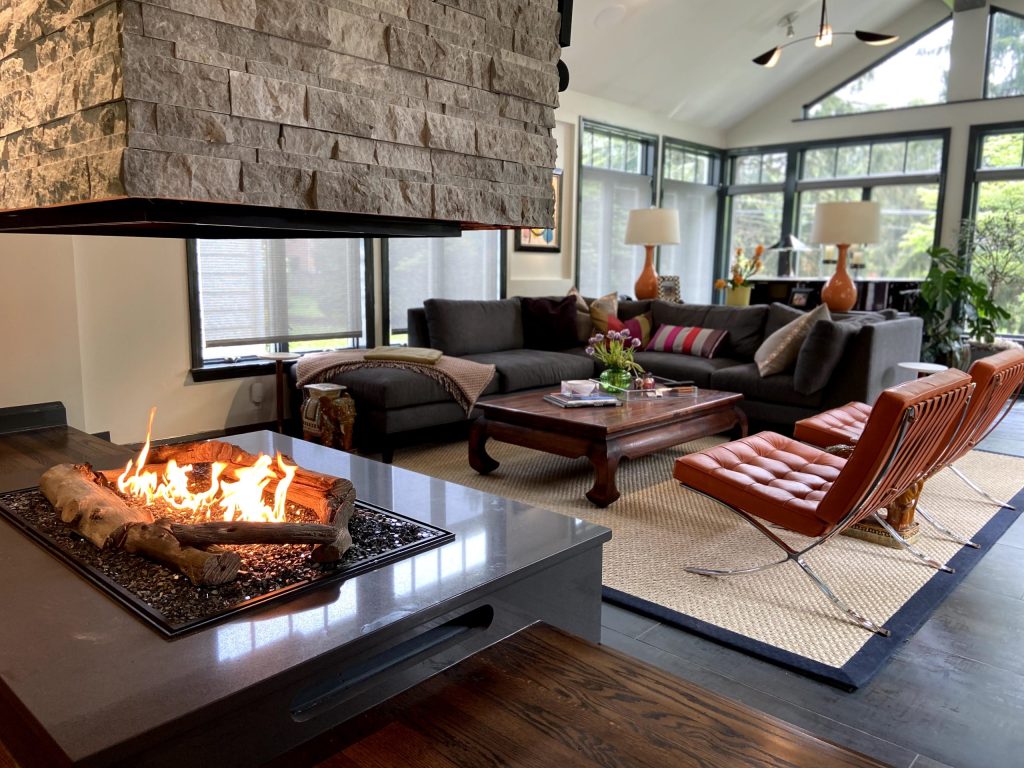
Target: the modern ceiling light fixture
pixel 822 38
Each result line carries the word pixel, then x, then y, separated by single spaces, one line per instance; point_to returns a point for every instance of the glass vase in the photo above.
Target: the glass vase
pixel 615 380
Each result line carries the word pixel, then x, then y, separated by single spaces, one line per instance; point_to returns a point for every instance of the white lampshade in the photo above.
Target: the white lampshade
pixel 652 226
pixel 847 223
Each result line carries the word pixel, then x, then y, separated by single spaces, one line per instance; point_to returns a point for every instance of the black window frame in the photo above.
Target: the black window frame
pixel 992 11
pixel 226 368
pixel 651 162
pixel 793 184
pixel 805 111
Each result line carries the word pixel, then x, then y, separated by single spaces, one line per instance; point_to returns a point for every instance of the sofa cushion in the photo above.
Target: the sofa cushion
pixel 528 368
pixel 674 313
pixel 699 342
pixel 549 323
pixel 745 326
pixel 780 315
pixel 820 354
pixel 747 380
pixel 779 351
pixel 669 365
pixel 639 327
pixel 629 308
pixel 470 327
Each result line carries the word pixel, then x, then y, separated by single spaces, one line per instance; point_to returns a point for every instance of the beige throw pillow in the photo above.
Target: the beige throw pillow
pixel 584 326
pixel 779 351
pixel 601 308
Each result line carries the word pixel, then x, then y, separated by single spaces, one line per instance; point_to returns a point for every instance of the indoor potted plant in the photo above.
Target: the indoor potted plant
pixel 737 287
pixel 955 306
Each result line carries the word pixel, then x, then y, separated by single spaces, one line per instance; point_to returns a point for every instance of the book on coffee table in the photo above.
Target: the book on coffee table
pixel 581 401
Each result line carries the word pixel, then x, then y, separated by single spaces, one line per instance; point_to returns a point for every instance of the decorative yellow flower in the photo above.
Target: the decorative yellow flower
pixel 742 269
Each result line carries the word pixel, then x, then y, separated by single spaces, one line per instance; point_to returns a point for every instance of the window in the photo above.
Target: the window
pixel 1005 62
pixel 757 201
pixel 911 76
pixel 257 296
pixel 996 205
pixel 903 175
pixel 467 267
pixel 616 175
pixel 689 184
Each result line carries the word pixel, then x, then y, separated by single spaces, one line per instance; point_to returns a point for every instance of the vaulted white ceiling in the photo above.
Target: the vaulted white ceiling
pixel 690 60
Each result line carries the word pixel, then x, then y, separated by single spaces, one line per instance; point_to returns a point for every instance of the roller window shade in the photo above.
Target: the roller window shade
pixel 694 258
pixel 274 291
pixel 466 267
pixel 606 198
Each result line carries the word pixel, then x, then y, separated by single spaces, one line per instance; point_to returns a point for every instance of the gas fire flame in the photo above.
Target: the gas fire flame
pixel 240 498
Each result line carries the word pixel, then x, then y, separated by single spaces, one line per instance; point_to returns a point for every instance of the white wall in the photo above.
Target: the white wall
pixel 781 122
pixel 41 359
pixel 101 324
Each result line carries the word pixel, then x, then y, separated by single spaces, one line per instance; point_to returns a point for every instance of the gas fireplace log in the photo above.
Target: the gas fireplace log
pixel 201 567
pixel 93 510
pixel 205 534
pixel 338 506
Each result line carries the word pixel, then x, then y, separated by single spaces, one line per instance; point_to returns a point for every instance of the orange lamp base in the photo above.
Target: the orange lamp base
pixel 646 286
pixel 840 292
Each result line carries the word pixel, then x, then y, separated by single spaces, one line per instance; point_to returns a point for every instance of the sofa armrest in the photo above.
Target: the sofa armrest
pixel 869 364
pixel 419 335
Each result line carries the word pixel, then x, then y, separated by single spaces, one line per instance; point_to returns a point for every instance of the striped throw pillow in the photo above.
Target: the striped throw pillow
pixel 684 340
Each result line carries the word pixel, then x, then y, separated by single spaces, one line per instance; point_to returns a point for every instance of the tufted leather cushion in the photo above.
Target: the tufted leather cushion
pixel 766 471
pixel 839 426
pixel 809 491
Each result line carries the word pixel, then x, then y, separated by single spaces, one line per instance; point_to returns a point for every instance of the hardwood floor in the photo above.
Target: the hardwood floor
pixel 952 696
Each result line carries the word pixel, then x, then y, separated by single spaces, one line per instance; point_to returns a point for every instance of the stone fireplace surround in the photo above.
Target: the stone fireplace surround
pixel 82 681
pixel 434 110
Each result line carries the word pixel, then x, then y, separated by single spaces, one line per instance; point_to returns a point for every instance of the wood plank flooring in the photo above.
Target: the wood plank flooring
pixel 542 697
pixel 952 696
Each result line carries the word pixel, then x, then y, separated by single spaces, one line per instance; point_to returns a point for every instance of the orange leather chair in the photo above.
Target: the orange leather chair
pixel 998 380
pixel 773 478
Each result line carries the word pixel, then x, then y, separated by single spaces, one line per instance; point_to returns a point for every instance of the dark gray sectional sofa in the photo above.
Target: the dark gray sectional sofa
pixel 852 357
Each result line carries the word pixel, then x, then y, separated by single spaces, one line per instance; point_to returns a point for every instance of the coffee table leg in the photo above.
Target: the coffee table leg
pixel 605 463
pixel 741 421
pixel 478 457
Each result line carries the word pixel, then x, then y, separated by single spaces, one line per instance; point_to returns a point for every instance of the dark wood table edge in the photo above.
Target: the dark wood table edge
pixel 603 450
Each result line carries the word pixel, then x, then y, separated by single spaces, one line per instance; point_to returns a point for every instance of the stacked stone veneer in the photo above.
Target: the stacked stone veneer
pixel 438 109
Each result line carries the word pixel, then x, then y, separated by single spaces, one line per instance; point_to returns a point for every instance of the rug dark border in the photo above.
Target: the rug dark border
pixel 876 652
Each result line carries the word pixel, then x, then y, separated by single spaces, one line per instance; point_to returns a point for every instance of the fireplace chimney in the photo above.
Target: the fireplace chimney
pixel 264 118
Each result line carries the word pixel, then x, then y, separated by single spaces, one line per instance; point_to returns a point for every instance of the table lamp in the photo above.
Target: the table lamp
pixel 651 227
pixel 841 225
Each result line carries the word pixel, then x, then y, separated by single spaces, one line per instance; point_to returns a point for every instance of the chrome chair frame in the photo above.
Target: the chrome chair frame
pixel 797 555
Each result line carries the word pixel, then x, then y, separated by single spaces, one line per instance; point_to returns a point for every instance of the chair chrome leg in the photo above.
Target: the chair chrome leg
pixel 820 584
pixel 910 547
pixel 733 571
pixel 943 530
pixel 970 484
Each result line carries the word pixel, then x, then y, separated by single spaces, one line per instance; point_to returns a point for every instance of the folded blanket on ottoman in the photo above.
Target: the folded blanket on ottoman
pixel 464 380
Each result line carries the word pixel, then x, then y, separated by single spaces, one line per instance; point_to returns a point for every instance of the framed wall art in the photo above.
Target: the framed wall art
pixel 541 239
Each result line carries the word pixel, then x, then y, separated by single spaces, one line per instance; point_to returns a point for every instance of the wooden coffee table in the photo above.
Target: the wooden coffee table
pixel 605 434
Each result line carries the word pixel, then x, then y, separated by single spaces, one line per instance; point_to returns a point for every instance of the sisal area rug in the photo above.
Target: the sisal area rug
pixel 659 528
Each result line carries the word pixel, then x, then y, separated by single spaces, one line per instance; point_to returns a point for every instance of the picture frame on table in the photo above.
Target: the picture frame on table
pixel 544 239
pixel 802 298
pixel 668 288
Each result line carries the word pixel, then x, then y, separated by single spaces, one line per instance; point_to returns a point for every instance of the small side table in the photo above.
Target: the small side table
pixel 280 358
pixel 923 369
